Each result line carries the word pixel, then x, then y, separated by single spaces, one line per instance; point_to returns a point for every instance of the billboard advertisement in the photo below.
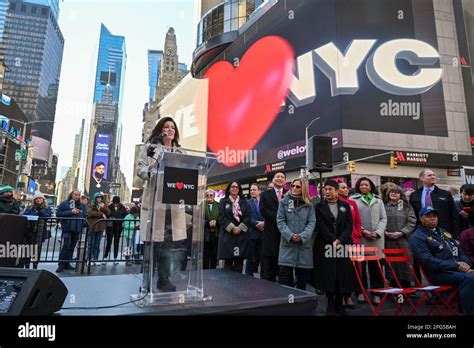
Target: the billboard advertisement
pixel 41 149
pixel 370 72
pixel 356 64
pixel 100 164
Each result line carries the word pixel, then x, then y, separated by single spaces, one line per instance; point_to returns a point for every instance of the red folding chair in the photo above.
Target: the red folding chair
pixel 362 253
pixel 442 305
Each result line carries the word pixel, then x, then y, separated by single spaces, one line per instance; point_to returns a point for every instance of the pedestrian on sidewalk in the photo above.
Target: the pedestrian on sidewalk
pixel 130 229
pixel 8 204
pixel 97 211
pixel 74 213
pixel 114 228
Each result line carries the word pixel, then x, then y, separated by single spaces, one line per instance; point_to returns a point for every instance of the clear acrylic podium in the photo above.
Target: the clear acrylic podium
pixel 174 237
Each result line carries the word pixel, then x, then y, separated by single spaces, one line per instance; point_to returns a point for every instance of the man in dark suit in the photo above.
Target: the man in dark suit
pixel 256 232
pixel 269 201
pixel 431 195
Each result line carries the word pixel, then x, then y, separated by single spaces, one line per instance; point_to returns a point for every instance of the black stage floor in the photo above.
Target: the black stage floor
pixel 232 293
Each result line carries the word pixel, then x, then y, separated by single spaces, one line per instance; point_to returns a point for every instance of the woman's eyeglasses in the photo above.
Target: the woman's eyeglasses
pixel 296 186
pixel 209 195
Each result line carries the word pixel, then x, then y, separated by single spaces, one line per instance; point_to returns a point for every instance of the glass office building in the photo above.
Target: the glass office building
pixel 110 74
pixel 52 4
pixel 154 64
pixel 228 16
pixel 3 15
pixel 32 48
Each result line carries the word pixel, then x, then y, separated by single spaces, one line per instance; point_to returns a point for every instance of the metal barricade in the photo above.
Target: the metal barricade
pixel 48 236
pixel 118 245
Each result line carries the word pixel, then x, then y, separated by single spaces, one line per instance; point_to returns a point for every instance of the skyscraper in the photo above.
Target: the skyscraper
pixel 32 48
pixel 154 63
pixel 170 74
pixel 106 126
pixel 52 4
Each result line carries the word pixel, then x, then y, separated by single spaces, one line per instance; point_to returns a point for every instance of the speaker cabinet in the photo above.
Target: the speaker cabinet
pixel 30 292
pixel 320 154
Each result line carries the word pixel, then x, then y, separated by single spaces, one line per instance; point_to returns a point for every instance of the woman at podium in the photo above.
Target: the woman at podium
pixel 162 226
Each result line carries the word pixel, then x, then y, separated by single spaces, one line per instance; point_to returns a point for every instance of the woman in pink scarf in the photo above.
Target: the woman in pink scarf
pixel 234 222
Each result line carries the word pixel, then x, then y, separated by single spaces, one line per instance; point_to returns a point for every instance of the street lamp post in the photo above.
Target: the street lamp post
pixel 307 140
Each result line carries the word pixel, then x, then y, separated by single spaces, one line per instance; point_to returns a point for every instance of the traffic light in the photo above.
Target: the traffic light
pixel 393 162
pixel 352 166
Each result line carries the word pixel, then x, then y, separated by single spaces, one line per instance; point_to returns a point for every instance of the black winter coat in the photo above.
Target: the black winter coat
pixel 329 268
pixel 231 246
pixel 271 233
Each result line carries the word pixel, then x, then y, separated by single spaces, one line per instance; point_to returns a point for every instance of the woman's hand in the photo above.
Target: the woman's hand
pixel 296 238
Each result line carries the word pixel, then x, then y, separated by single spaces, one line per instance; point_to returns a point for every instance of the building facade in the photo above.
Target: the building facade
pixel 32 47
pixel 105 134
pixel 154 63
pixel 11 141
pixel 169 74
pixel 366 115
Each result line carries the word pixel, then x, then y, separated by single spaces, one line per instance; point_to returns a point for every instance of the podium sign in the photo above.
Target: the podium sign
pixel 180 185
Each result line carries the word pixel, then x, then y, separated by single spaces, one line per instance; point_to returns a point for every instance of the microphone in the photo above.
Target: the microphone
pixel 151 149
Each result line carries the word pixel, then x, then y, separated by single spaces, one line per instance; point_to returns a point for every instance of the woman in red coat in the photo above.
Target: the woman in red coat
pixel 356 227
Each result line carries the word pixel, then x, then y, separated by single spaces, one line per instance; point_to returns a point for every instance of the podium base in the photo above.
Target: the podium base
pixel 191 295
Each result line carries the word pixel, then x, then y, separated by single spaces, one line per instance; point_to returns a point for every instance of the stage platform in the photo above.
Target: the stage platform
pixel 232 293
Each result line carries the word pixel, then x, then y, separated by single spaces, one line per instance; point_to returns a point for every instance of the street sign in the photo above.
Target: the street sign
pixel 20 155
pixel 115 185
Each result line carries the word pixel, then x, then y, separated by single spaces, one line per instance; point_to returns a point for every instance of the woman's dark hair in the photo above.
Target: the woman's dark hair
pixel 70 195
pixel 331 183
pixel 227 190
pixel 158 130
pixel 468 189
pixel 373 188
pixel 399 190
pixel 134 210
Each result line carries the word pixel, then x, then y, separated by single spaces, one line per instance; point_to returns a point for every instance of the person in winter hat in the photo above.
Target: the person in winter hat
pixel 96 212
pixel 8 204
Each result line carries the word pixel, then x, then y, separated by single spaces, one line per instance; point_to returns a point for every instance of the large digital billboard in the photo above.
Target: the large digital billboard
pixel 372 73
pixel 100 165
pixel 362 65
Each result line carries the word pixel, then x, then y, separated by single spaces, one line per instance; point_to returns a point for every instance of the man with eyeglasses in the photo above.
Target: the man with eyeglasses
pixel 269 201
pixel 211 231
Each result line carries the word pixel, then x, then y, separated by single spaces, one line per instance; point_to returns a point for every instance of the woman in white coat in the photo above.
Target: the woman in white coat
pixel 163 224
pixel 374 221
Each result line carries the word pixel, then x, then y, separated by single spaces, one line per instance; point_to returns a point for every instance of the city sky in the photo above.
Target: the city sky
pixel 144 24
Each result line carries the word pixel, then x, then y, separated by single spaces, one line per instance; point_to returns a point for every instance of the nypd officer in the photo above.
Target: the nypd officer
pixel 442 258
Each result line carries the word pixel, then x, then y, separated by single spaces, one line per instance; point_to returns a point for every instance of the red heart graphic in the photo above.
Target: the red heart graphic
pixel 179 185
pixel 243 102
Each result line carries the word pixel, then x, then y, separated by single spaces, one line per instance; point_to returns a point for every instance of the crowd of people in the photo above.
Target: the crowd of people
pixel 75 215
pixel 286 235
